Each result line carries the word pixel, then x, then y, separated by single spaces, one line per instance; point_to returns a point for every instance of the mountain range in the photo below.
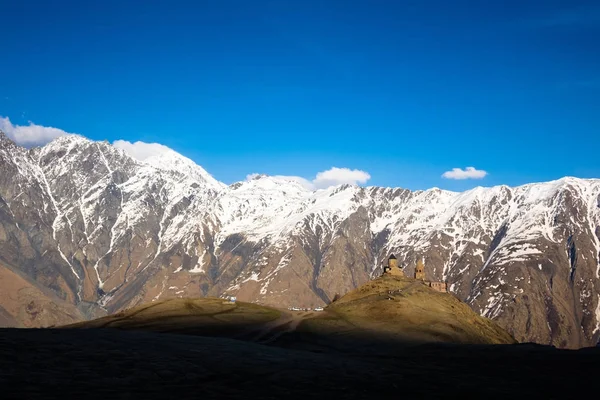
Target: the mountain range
pixel 86 229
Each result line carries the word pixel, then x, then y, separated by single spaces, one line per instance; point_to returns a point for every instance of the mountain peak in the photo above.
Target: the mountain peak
pixel 170 160
pixel 5 139
pixel 67 140
pixel 263 182
pixel 6 143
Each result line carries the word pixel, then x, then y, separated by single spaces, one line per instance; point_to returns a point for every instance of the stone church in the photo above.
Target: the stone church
pixel 392 268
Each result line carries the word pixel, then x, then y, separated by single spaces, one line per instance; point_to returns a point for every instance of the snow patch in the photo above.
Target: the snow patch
pixel 597 329
pixel 198 269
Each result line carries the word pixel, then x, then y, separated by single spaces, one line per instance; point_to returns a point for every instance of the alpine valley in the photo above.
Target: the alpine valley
pixel 86 230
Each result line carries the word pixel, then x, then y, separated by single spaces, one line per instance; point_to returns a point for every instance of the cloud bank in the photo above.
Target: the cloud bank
pixel 141 150
pixel 332 177
pixel 30 135
pixel 467 173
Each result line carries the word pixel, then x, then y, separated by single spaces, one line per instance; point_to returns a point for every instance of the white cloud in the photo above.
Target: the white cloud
pixel 141 150
pixel 332 177
pixel 467 173
pixel 338 176
pixel 29 135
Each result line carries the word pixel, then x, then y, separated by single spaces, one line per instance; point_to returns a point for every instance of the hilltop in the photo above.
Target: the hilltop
pixel 201 317
pixel 407 310
pixel 386 310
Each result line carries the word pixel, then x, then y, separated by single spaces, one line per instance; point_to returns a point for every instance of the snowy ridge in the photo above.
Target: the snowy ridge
pixel 271 207
pixel 274 209
pixel 183 166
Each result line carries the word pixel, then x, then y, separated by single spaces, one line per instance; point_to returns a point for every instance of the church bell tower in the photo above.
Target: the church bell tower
pixel 392 267
pixel 420 270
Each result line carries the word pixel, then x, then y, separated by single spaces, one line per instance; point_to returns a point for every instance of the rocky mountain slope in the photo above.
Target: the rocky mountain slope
pixel 28 304
pixel 104 231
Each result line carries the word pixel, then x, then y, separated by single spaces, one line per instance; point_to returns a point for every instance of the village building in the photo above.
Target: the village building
pixel 439 286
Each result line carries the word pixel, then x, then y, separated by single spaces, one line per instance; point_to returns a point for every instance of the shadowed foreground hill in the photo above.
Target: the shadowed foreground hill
pixel 111 364
pixel 392 337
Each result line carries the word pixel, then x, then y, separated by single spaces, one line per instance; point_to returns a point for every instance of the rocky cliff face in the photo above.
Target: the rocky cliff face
pixel 104 231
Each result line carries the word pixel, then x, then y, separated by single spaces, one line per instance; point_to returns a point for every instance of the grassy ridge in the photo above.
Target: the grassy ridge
pixel 206 316
pixel 388 309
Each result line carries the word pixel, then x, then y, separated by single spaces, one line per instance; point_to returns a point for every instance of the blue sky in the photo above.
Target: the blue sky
pixel 404 90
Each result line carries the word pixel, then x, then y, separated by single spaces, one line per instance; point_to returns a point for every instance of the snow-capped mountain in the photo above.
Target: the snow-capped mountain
pixel 102 230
